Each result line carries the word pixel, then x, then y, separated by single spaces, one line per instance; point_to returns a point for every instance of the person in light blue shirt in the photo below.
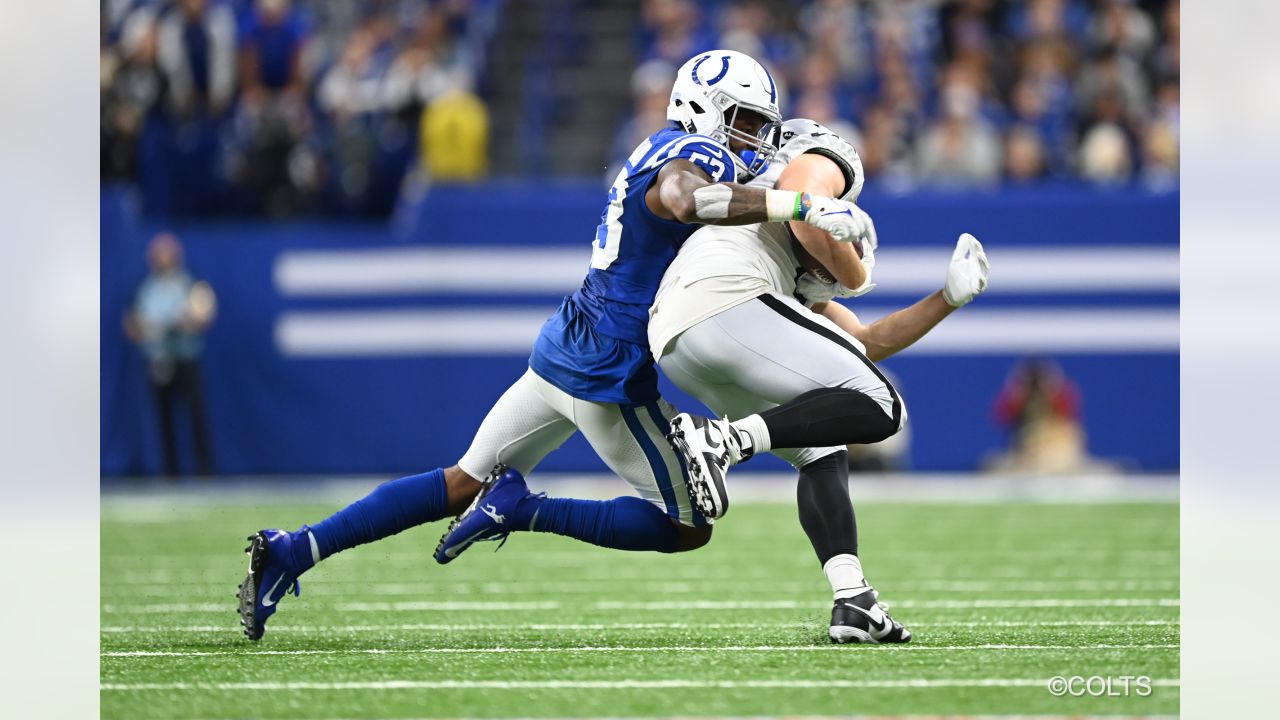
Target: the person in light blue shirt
pixel 170 314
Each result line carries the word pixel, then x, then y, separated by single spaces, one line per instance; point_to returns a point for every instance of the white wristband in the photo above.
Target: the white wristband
pixel 784 205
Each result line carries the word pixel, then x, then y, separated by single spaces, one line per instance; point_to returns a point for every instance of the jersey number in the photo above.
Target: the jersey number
pixel 715 164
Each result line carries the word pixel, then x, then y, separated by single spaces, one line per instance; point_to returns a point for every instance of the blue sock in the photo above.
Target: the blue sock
pixel 625 523
pixel 392 507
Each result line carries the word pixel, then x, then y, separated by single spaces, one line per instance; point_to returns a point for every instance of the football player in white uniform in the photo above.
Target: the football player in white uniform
pixel 732 326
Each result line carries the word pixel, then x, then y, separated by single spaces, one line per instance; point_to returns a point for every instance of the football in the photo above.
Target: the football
pixel 810 263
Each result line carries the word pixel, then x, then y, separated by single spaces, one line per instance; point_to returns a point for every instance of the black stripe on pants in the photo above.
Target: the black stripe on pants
pixel 829 416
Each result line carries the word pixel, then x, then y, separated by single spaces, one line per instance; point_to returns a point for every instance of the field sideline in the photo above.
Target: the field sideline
pixel 1002 594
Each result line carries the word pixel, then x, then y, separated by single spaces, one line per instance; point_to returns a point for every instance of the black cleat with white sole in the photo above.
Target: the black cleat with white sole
pixel 709 448
pixel 861 619
pixel 272 574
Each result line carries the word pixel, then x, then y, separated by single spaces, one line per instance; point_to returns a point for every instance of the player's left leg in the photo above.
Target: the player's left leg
pixel 520 429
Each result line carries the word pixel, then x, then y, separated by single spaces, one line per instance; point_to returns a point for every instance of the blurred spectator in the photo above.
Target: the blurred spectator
pixel 1105 156
pixel 1040 407
pixel 650 91
pixel 1119 24
pixel 455 138
pixel 197 49
pixel 960 149
pixel 288 106
pixel 1166 61
pixel 270 51
pixel 432 64
pixel 749 27
pixel 1048 20
pixel 1031 113
pixel 1160 158
pixel 170 313
pixel 1024 159
pixel 821 108
pixel 840 30
pixel 353 86
pixel 673 31
pixel 1116 76
pixel 133 87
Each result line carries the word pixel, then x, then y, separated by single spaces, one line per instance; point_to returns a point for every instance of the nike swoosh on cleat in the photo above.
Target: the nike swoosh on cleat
pixel 878 628
pixel 454 551
pixel 711 442
pixel 267 601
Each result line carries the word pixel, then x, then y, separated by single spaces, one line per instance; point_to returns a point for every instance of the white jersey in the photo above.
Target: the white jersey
pixel 719 267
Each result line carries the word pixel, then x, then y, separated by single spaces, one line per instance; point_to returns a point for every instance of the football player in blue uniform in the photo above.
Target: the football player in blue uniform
pixel 591 369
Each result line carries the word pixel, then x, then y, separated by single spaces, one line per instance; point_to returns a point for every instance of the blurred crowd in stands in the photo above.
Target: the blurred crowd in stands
pixel 284 107
pixel 957 94
pixel 279 107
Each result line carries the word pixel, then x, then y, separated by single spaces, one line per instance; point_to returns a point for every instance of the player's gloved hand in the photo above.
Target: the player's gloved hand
pixel 811 291
pixel 967 274
pixel 867 246
pixel 845 221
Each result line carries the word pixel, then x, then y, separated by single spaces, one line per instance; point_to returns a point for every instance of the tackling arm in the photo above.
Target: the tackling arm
pixel 684 192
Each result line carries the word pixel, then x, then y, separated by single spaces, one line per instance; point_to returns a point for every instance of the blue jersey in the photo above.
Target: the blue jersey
pixel 596 346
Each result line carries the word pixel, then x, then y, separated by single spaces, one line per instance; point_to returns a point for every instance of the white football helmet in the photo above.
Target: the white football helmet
pixel 711 84
pixel 815 137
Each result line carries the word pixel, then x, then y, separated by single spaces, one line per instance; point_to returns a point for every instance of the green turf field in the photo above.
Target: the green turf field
pixel 1001 597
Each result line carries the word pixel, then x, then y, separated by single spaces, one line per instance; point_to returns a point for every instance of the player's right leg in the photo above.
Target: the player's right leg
pixel 827 516
pixel 520 429
pixel 824 390
pixel 822 495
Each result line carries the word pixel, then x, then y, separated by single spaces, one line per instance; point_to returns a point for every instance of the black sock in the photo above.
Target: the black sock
pixel 828 416
pixel 826 512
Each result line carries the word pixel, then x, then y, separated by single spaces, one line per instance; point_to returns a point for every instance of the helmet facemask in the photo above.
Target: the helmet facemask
pixel 760 147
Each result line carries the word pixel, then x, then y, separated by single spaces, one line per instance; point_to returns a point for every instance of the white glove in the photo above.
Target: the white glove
pixel 845 221
pixel 867 247
pixel 812 291
pixel 967 274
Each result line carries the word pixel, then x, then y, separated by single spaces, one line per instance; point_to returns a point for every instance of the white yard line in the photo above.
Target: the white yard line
pixel 454 627
pixel 424 606
pixel 923 604
pixel 920 683
pixel 592 585
pixel 159 502
pixel 615 649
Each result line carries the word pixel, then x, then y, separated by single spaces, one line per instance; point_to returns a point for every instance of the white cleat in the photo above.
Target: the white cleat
pixel 709 447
